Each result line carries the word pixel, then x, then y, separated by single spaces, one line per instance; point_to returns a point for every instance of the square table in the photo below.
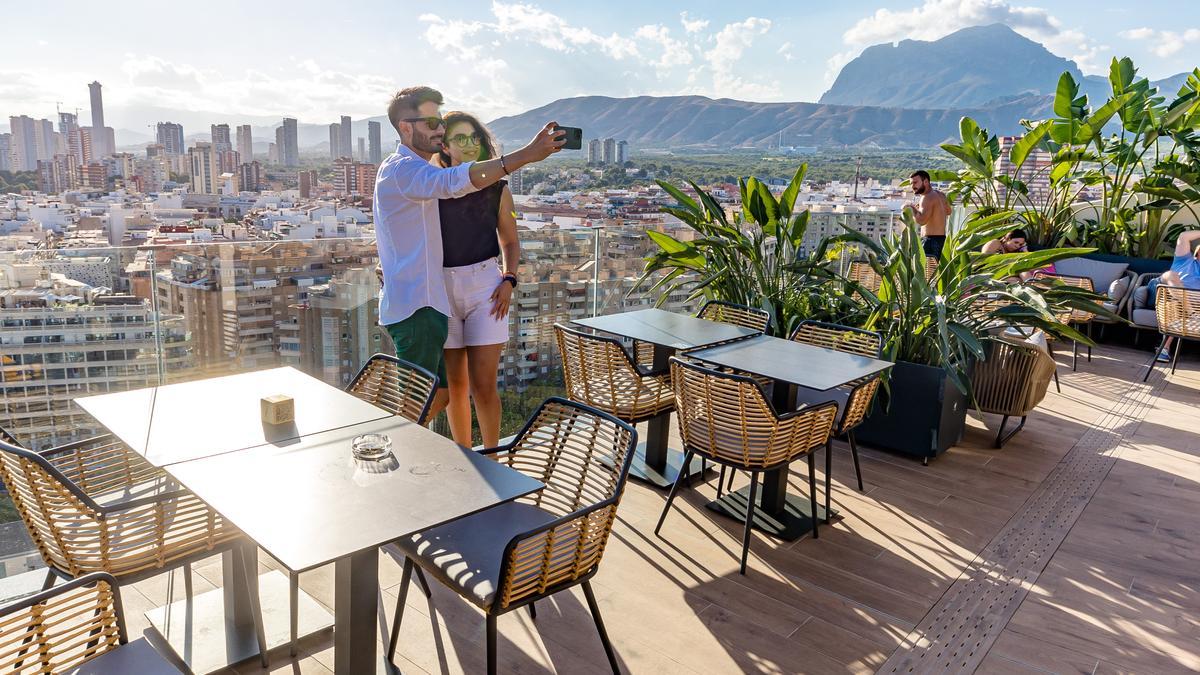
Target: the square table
pixel 789 364
pixel 308 502
pixel 188 420
pixel 668 332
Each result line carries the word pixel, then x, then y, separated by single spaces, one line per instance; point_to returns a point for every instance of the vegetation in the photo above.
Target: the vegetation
pixel 17 181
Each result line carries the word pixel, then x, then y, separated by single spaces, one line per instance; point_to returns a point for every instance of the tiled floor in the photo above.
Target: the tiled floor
pixel 1120 593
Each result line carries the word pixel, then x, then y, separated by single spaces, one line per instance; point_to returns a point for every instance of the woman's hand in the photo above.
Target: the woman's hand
pixel 501 297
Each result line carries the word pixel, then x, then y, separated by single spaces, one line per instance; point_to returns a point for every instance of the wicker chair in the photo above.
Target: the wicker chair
pixel 517 553
pixel 599 372
pixel 931 266
pixel 726 418
pixel 1178 312
pixel 1075 316
pixel 1011 381
pixel 78 627
pixel 397 386
pixel 721 312
pixel 861 273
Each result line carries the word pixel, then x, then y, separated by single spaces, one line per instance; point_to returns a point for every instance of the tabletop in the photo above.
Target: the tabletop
pixel 668 329
pixel 180 422
pixel 791 362
pixel 308 502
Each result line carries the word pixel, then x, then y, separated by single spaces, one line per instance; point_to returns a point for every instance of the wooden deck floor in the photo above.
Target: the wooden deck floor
pixel 1117 589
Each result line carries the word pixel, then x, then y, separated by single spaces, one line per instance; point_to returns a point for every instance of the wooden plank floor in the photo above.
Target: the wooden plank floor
pixel 1119 594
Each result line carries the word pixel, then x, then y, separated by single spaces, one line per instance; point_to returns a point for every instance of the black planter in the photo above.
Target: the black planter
pixel 926 414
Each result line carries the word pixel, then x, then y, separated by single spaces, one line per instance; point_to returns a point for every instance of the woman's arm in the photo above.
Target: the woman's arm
pixel 510 250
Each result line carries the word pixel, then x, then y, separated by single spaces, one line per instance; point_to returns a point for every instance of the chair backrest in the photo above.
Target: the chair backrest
pixel 1012 379
pixel 583 456
pixel 1178 311
pixel 51 506
pixel 861 273
pixel 840 338
pixel 931 266
pixel 400 387
pixel 597 371
pixel 727 417
pixel 1072 315
pixel 57 630
pixel 735 314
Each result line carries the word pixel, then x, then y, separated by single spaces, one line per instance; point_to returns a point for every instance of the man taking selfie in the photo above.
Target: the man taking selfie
pixel 413 304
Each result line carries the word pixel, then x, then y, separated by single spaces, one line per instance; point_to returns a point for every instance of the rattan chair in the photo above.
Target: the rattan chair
pixel 599 372
pixel 78 627
pixel 726 418
pixel 514 554
pixel 97 506
pixel 931 267
pixel 1178 312
pixel 864 275
pixel 721 312
pixel 398 386
pixel 1073 316
pixel 1011 381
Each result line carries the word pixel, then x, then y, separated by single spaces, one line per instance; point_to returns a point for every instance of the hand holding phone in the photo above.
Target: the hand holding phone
pixel 573 137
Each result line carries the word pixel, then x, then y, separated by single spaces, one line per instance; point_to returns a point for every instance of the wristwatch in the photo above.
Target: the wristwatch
pixel 512 279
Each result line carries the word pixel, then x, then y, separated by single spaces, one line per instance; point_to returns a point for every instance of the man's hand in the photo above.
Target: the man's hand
pixel 379 274
pixel 1183 245
pixel 546 143
pixel 501 297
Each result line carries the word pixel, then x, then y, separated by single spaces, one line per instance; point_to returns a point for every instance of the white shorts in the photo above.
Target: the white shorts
pixel 470 289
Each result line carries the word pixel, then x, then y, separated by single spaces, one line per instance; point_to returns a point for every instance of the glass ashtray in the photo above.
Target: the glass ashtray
pixel 372 447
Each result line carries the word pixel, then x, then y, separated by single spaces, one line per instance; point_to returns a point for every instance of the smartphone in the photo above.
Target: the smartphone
pixel 574 137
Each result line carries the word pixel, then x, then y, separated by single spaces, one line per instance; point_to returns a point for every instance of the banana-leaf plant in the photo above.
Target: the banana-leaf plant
pixel 755 258
pixel 943 321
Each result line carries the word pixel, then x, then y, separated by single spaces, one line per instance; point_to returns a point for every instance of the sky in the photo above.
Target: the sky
pixel 318 60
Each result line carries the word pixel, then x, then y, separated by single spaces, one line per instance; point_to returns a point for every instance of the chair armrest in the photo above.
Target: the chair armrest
pixel 101 464
pixel 806 410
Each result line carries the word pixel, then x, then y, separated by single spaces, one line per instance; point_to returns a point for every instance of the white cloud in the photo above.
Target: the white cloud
pixel 674 52
pixel 552 32
pixel 730 44
pixel 785 50
pixel 692 25
pixel 938 18
pixel 1163 43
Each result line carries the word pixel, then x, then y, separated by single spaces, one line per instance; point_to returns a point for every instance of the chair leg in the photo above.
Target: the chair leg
pixel 812 494
pixel 1154 358
pixel 491 644
pixel 1089 347
pixel 294 609
pixel 533 611
pixel 687 457
pixel 399 616
pixel 721 483
pixel 187 581
pixel 1175 359
pixel 595 607
pixel 732 473
pixel 422 582
pixel 1000 431
pixel 828 473
pixel 1057 386
pixel 749 520
pixel 1001 440
pixel 1074 355
pixel 854 454
pixel 49 579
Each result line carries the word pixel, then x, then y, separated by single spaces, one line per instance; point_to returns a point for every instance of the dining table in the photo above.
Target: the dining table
pixel 789 364
pixel 656 462
pixel 296 490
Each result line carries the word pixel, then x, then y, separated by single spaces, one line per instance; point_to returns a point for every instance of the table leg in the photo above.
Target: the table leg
pixel 356 611
pixel 655 462
pixel 778 514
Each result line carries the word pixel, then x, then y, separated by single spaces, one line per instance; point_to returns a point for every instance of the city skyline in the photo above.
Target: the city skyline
pixel 488 57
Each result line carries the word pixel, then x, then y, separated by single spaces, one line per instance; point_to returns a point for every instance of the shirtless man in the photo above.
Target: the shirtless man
pixel 931 210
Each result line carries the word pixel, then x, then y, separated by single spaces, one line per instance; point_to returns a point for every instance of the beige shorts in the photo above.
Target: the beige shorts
pixel 470 289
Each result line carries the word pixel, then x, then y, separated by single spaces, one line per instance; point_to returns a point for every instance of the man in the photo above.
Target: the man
pixel 1185 272
pixel 931 210
pixel 413 304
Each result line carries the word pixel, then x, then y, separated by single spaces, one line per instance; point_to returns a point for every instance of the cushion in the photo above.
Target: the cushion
pixel 1101 273
pixel 466 554
pixel 1118 288
pixel 137 656
pixel 1141 296
pixel 1145 317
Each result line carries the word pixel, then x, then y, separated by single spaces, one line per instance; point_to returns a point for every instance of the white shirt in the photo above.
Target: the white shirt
pixel 408 231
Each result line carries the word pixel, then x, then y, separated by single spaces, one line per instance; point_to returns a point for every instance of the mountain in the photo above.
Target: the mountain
pixel 698 122
pixel 971 67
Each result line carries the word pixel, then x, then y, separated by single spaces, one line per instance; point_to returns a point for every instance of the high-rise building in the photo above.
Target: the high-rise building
pixel 204 168
pixel 221 139
pixel 5 152
pixel 85 145
pixel 151 172
pixel 307 181
pixel 273 151
pixel 228 161
pixel 374 143
pixel 1034 173
pixel 346 138
pixel 288 143
pixel 58 174
pixel 102 140
pixel 170 136
pixel 94 176
pixel 68 127
pixel 595 150
pixel 353 178
pixel 335 135
pixel 516 182
pixel 32 140
pixel 610 151
pixel 250 176
pixel 245 143
pixel 362 149
pixel 622 152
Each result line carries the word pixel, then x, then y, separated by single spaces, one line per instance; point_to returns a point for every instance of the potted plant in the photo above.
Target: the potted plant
pixel 934 329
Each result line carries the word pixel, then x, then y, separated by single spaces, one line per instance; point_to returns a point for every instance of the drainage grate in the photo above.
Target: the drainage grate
pixel 958 632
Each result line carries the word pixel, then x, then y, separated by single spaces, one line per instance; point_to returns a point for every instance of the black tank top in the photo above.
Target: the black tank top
pixel 469 226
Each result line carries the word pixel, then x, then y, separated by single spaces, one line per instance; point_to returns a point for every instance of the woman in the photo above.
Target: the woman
pixel 476 230
pixel 1014 242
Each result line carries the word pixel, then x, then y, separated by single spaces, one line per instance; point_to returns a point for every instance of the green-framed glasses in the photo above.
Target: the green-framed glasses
pixel 463 140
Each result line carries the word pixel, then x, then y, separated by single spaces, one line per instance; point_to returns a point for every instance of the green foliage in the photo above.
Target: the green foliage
pixel 17 181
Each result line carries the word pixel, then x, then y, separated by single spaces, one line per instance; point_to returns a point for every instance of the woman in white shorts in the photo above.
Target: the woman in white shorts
pixel 477 230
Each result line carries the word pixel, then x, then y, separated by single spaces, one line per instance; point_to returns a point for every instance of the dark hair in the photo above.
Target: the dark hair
pixel 1016 234
pixel 922 173
pixel 406 101
pixel 487 144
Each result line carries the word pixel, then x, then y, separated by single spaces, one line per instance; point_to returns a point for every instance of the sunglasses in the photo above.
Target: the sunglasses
pixel 433 122
pixel 463 140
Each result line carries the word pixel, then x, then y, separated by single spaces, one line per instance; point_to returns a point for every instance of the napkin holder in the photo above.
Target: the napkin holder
pixel 278 409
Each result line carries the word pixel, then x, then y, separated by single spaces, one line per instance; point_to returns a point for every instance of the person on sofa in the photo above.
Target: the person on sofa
pixel 1184 272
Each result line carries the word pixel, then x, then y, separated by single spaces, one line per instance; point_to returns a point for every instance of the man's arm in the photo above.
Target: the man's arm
pixel 1183 245
pixel 921 214
pixel 546 143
